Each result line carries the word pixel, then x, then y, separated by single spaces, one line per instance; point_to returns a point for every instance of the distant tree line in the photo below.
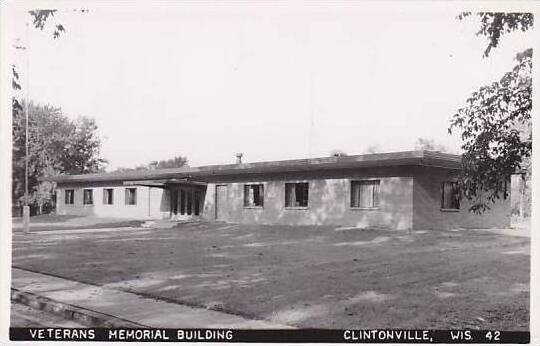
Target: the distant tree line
pixel 175 162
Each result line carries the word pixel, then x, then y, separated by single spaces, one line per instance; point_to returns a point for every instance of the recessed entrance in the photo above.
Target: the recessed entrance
pixel 186 201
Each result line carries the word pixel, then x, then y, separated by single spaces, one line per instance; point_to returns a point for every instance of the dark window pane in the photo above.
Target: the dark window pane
pixel 189 194
pixel 131 196
pixel 296 194
pixel 108 196
pixel 182 202
pixel 288 194
pixel 246 195
pixel 253 195
pixel 450 195
pixel 302 195
pixel 196 202
pixel 69 196
pixel 87 196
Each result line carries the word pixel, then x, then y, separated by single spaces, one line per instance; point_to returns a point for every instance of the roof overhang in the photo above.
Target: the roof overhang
pixel 202 174
pixel 164 183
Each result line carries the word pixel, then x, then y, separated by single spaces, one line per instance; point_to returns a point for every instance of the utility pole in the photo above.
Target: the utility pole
pixel 26 207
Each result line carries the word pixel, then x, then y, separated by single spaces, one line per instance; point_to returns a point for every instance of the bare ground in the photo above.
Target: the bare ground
pixel 305 276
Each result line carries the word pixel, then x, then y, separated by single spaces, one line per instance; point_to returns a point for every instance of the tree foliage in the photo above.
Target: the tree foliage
pixel 56 145
pixel 40 17
pixel 176 162
pixel 429 144
pixel 495 123
pixel 373 149
pixel 338 153
pixel 493 25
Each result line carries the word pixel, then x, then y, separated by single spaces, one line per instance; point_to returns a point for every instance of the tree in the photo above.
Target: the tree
pixel 82 153
pixel 39 20
pixel 175 162
pixel 337 153
pixel 493 25
pixel 495 123
pixel 56 145
pixel 373 149
pixel 429 144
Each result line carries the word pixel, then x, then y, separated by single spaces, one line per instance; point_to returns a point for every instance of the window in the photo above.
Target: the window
pixel 296 195
pixel 108 196
pixel 365 194
pixel 131 196
pixel 450 195
pixel 253 195
pixel 69 196
pixel 88 197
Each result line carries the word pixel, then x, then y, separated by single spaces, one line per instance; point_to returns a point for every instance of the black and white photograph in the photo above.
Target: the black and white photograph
pixel 278 172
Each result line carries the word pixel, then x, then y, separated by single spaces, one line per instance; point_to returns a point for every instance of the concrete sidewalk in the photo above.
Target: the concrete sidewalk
pixel 124 306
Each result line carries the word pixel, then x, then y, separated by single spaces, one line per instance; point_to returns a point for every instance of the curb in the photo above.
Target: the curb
pixel 71 312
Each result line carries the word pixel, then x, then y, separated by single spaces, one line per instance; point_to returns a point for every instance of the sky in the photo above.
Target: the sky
pixel 273 82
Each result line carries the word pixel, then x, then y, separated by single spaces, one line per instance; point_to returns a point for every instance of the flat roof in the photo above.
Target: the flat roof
pixel 401 158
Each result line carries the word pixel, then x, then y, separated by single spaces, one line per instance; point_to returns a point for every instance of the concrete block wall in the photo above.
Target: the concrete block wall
pixel 427 205
pixel 410 198
pixel 152 202
pixel 329 203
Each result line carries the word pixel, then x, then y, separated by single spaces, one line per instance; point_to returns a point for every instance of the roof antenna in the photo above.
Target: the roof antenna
pixel 312 117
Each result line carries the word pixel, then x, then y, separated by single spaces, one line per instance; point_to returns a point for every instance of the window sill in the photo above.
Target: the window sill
pixel 296 208
pixel 253 207
pixel 446 210
pixel 88 205
pixel 358 208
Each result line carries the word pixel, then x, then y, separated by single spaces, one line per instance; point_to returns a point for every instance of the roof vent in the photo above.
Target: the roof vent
pixel 239 157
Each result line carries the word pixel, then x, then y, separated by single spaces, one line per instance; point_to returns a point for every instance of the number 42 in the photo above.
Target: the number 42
pixel 495 336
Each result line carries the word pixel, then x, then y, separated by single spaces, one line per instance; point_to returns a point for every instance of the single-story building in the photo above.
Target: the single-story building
pixel 399 190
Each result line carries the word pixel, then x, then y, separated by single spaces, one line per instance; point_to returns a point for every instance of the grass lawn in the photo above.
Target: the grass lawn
pixel 309 277
pixel 48 222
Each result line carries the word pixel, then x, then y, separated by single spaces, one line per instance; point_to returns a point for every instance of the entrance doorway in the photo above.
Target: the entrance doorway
pixel 186 201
